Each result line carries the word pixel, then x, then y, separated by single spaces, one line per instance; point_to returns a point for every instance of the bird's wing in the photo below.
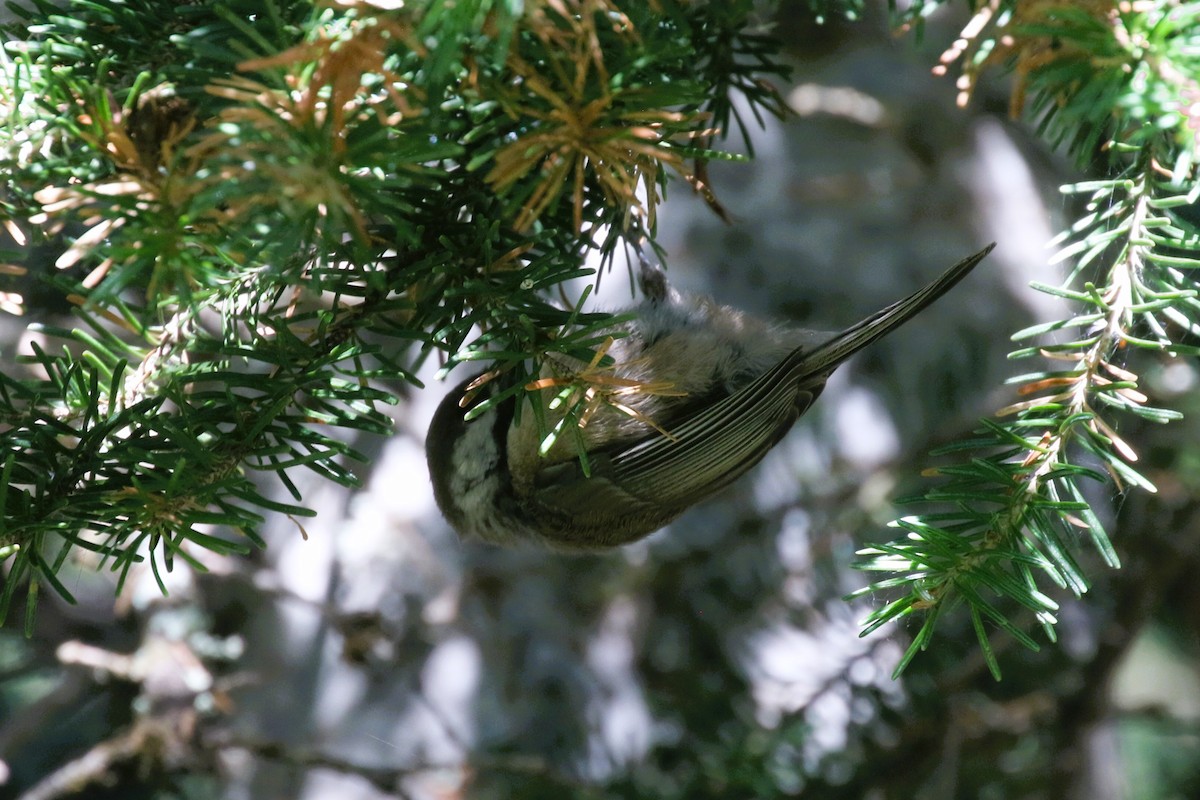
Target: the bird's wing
pixel 703 452
pixel 717 445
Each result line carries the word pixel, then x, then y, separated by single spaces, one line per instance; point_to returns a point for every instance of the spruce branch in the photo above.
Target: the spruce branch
pixel 1015 501
pixel 269 216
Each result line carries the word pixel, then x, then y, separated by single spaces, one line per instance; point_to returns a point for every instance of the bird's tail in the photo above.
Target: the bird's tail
pixel 826 356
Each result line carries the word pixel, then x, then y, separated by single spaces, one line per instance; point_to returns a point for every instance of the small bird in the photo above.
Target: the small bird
pixel 710 390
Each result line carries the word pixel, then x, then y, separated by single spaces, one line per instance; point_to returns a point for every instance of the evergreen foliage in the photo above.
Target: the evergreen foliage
pixel 270 213
pixel 1115 86
pixel 267 214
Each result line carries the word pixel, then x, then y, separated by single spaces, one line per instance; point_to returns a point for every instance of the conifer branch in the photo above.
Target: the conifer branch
pixel 1013 490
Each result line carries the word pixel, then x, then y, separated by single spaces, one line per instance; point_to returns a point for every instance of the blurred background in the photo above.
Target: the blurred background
pixel 371 654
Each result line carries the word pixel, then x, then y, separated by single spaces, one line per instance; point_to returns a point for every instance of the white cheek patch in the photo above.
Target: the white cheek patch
pixel 475 441
pixel 475 480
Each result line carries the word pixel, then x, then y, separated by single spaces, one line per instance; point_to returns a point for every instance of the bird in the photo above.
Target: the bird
pixel 707 391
